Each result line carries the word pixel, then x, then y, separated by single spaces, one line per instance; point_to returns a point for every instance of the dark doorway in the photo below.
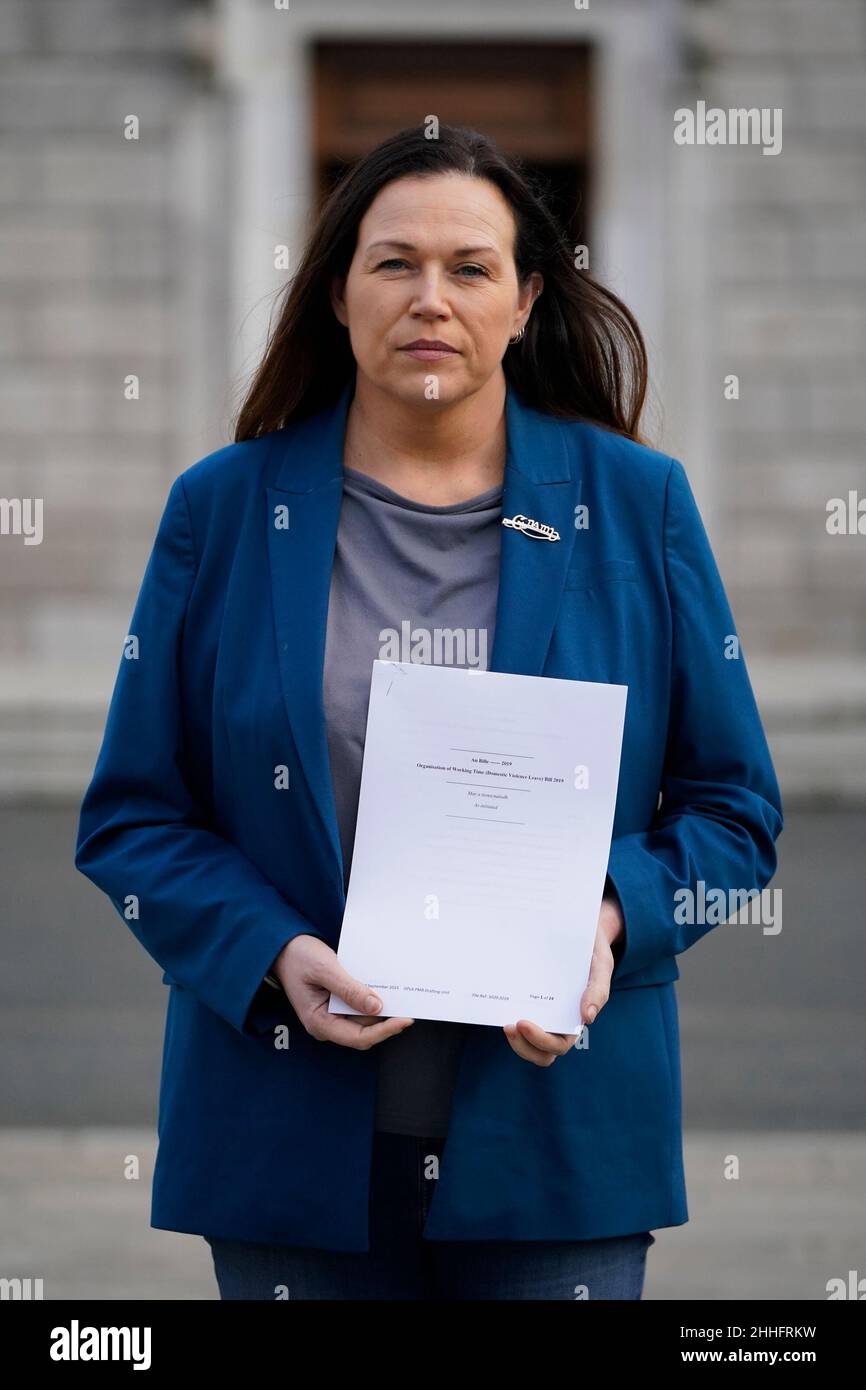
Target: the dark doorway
pixel 535 100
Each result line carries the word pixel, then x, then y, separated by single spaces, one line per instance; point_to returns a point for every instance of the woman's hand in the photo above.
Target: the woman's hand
pixel 308 970
pixel 531 1042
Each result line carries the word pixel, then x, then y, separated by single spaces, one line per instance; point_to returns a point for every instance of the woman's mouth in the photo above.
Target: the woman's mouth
pixel 429 350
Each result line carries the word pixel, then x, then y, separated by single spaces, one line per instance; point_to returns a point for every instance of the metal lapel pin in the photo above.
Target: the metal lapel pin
pixel 536 529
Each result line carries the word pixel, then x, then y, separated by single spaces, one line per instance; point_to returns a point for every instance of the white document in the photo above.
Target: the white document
pixel 482 843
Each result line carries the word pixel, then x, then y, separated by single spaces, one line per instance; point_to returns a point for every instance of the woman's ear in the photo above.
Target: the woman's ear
pixel 530 291
pixel 338 301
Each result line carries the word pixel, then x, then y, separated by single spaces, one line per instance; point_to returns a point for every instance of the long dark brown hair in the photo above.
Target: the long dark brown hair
pixel 582 356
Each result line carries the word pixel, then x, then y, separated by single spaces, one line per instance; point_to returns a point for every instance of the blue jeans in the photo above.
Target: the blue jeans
pixel 400 1265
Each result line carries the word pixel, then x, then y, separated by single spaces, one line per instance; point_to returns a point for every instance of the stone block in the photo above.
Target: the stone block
pixel 107 171
pixel 44 97
pixel 34 249
pixel 126 329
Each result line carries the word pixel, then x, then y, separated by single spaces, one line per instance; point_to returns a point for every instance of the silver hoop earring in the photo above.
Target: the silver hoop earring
pixel 517 336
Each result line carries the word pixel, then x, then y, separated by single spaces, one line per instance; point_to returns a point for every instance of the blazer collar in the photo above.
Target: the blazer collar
pixel 541 481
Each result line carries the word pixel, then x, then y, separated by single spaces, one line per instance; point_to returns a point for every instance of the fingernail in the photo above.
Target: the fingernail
pixel 591 1013
pixel 371 1003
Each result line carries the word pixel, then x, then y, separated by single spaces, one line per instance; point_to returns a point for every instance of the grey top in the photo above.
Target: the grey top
pixel 409 582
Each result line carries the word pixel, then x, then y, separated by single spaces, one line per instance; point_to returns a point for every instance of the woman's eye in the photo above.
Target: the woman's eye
pixel 397 261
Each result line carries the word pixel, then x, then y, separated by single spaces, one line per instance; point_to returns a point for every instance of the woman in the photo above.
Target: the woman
pixel 439 369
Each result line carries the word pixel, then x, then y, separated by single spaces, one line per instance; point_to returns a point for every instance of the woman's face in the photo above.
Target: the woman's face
pixel 434 261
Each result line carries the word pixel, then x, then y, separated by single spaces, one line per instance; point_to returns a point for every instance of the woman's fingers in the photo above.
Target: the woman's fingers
pixel 346 1030
pixel 334 979
pixel 525 1049
pixel 597 991
pixel 360 1033
pixel 314 974
pixel 535 1045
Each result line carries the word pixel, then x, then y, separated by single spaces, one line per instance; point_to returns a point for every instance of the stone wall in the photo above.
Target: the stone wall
pixel 112 262
pixel 787 270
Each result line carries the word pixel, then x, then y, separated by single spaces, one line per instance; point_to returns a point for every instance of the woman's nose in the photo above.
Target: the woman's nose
pixel 430 295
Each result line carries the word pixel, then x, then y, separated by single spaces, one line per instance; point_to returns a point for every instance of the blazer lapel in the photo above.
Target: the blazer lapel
pixel 302 520
pixel 308 494
pixel 538 484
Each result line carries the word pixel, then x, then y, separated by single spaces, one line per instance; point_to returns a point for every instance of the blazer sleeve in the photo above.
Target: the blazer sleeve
pixel 721 810
pixel 199 906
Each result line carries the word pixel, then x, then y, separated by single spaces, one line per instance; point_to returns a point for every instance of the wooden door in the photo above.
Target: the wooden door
pixel 535 100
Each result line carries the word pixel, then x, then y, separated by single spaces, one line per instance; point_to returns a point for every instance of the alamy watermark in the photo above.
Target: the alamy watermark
pixel 736 126
pixel 437 646
pixel 22 516
pixel 710 906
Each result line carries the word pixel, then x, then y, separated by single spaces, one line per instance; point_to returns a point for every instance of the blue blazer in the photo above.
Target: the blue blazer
pixel 214 869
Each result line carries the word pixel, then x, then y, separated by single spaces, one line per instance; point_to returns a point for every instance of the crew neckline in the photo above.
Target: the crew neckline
pixel 389 494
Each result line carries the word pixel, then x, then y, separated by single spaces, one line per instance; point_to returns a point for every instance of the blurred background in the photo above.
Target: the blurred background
pixel 158 257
